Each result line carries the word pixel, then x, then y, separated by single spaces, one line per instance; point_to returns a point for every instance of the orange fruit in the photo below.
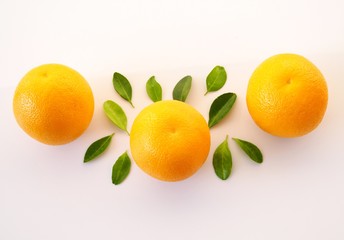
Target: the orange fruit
pixel 287 95
pixel 170 140
pixel 53 104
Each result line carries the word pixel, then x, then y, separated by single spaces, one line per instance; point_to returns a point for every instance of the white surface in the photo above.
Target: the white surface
pixel 48 193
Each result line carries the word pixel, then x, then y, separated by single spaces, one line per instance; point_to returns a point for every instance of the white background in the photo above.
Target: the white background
pixel 47 192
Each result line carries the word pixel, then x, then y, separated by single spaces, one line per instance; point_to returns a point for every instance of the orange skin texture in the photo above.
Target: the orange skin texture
pixel 53 104
pixel 287 95
pixel 170 140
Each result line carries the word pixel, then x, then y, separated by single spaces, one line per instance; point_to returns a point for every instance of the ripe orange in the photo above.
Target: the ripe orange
pixel 53 104
pixel 170 140
pixel 287 95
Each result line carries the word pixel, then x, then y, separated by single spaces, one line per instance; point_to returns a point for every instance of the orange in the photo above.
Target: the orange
pixel 287 95
pixel 170 140
pixel 53 104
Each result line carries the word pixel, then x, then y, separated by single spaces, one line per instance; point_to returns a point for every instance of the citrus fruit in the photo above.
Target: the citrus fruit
pixel 53 104
pixel 287 95
pixel 170 140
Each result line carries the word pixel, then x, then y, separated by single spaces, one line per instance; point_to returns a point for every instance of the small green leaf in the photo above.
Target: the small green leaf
pixel 121 169
pixel 220 108
pixel 222 160
pixel 97 148
pixel 182 89
pixel 116 114
pixel 153 89
pixel 216 79
pixel 250 149
pixel 122 87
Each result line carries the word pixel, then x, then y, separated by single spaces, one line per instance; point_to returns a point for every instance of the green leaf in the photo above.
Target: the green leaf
pixel 216 79
pixel 182 89
pixel 116 114
pixel 121 169
pixel 122 87
pixel 220 108
pixel 153 89
pixel 250 149
pixel 97 148
pixel 222 160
